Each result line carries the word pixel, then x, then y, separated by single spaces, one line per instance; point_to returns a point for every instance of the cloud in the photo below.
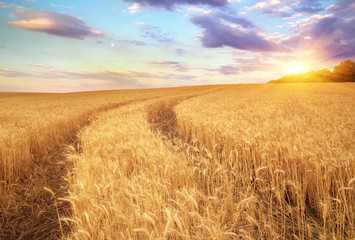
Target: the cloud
pixel 169 64
pixel 229 70
pixel 245 65
pixel 55 24
pixel 265 5
pixel 197 9
pixel 135 8
pixel 223 30
pixel 329 36
pixel 111 78
pixel 287 8
pixel 274 8
pixel 61 6
pixel 179 51
pixel 155 33
pixel 170 4
pixel 306 23
pixel 343 8
pixel 235 20
pixel 171 76
pixel 308 6
pixel 1 46
pixel 132 42
pixel 38 65
pixel 11 5
pixel 5 72
pixel 124 79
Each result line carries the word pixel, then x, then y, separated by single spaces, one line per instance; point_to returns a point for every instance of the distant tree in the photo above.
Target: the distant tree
pixel 324 75
pixel 345 71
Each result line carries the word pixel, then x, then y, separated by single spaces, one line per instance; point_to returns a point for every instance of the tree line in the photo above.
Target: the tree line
pixel 344 72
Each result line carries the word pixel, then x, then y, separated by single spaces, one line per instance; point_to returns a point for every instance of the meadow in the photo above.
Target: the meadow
pixel 256 161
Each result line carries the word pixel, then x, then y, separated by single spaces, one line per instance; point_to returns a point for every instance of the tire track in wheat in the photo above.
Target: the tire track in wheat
pixel 32 206
pixel 277 212
pixel 163 120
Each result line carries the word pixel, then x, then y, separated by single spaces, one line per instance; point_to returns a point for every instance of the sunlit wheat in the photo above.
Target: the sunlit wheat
pixel 271 161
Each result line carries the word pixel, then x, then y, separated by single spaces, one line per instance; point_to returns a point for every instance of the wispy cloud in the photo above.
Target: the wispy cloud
pixel 307 23
pixel 125 79
pixel 6 72
pixel 11 5
pixel 132 42
pixel 195 9
pixel 55 24
pixel 329 36
pixel 223 30
pixel 345 8
pixel 265 5
pixel 169 5
pixel 61 6
pixel 176 77
pixel 38 65
pixel 241 66
pixel 119 79
pixel 155 33
pixel 229 70
pixel 177 66
pixel 274 8
pixel 308 6
pixel 287 8
pixel 179 51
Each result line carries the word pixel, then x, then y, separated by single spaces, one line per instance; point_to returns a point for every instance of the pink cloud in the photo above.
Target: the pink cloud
pixel 121 79
pixel 55 24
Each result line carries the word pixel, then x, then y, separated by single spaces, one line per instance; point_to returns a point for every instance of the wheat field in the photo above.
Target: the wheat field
pixel 264 161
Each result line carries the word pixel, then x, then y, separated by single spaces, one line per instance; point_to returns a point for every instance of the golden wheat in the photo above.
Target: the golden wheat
pixel 35 129
pixel 269 161
pixel 293 144
pixel 35 124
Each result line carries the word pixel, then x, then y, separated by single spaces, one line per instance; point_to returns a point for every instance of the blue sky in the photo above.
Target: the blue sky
pixel 65 46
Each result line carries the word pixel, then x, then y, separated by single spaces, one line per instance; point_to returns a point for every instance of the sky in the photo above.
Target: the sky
pixel 80 45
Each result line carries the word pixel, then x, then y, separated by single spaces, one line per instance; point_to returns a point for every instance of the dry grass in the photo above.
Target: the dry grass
pixel 232 162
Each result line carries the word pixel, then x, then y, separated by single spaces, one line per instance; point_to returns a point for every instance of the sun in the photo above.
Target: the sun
pixel 296 67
